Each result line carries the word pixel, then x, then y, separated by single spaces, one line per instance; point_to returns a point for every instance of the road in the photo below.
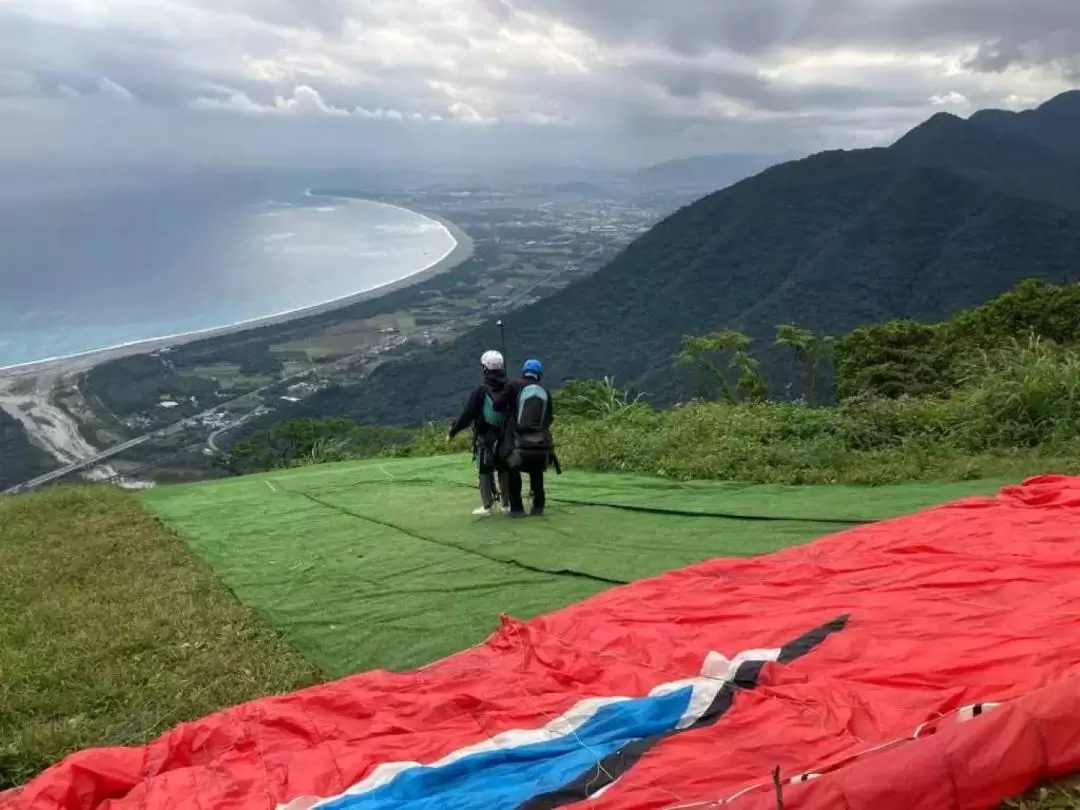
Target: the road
pixel 82 464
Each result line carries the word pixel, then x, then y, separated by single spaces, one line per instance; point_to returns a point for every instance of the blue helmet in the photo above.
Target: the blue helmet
pixel 532 368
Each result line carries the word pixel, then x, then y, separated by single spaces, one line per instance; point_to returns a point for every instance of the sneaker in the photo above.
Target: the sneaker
pixel 515 515
pixel 505 511
pixel 537 512
pixel 483 511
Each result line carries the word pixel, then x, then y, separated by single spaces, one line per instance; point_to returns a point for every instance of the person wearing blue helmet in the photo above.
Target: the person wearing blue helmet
pixel 527 442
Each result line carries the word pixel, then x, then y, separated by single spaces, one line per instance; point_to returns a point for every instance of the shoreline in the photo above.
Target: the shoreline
pixel 84 361
pixel 27 390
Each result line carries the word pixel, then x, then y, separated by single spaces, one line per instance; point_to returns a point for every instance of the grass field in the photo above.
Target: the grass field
pixel 380 564
pixel 112 632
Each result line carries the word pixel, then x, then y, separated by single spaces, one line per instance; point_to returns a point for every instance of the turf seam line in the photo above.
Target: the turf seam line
pixel 660 510
pixel 513 563
pixel 654 510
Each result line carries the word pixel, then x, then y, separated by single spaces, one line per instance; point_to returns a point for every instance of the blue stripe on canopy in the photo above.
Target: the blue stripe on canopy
pixel 506 777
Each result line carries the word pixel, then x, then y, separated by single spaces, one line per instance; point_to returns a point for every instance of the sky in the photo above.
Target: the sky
pixel 570 82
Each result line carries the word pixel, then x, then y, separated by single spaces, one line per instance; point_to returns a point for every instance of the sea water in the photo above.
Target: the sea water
pixel 96 262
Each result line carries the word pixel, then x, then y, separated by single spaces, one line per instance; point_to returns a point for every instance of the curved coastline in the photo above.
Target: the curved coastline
pixel 85 360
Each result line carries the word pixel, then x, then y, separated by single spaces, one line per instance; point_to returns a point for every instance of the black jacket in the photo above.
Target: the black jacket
pixel 473 412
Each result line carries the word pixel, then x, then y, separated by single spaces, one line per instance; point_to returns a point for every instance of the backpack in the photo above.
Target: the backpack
pixel 487 441
pixel 491 416
pixel 531 432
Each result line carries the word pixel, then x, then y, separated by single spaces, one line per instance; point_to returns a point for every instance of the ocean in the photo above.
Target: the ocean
pixel 89 261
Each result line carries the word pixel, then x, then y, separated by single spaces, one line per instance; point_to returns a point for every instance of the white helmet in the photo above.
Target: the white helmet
pixel 492 361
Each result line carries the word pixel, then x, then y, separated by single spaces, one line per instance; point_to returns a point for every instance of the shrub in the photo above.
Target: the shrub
pixel 1024 393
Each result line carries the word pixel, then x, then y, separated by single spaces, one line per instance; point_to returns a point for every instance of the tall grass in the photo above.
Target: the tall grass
pixel 1024 393
pixel 597 399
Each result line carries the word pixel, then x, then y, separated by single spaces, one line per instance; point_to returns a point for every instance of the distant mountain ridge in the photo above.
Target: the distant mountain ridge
pixel 708 172
pixel 954 213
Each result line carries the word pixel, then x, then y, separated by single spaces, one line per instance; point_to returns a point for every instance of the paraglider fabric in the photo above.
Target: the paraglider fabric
pixel 923 662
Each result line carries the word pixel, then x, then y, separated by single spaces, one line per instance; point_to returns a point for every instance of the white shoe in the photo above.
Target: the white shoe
pixel 482 512
pixel 505 510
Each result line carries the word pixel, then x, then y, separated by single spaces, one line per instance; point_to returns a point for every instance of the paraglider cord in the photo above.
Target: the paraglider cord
pixel 779 788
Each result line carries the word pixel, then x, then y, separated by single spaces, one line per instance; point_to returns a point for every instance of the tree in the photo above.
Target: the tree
pixel 894 359
pixel 812 349
pixel 698 351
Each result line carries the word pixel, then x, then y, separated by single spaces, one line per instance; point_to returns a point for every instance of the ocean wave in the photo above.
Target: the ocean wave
pixel 427 226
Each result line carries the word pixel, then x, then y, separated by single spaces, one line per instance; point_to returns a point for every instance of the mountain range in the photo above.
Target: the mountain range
pixel 952 214
pixel 703 172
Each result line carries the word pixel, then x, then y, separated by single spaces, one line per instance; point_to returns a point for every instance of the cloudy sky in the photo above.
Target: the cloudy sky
pixel 626 81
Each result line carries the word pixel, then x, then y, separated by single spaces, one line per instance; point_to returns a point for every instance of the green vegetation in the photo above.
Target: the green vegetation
pixel 954 214
pixel 21 459
pixel 1064 795
pixel 112 633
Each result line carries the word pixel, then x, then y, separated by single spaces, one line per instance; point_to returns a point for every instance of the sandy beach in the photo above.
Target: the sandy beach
pixel 26 391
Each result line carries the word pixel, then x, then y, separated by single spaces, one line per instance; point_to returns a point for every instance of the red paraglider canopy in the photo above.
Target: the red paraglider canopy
pixel 924 662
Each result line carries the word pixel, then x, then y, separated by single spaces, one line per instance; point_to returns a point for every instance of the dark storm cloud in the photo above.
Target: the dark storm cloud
pixel 693 82
pixel 1008 30
pixel 693 27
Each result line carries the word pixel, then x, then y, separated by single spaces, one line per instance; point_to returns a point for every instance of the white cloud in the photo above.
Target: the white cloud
pixel 950 99
pixel 304 101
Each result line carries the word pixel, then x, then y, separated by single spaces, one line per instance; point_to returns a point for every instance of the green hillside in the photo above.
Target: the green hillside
pixel 950 216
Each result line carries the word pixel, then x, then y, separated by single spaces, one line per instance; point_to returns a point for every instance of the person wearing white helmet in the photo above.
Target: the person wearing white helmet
pixel 479 413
